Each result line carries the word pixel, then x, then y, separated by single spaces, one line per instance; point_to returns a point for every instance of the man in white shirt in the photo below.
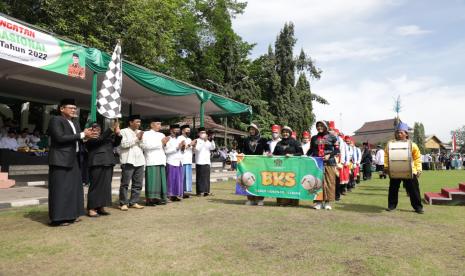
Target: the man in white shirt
pixel 186 152
pixel 132 164
pixel 233 157
pixel 153 142
pixel 305 142
pixel 379 161
pixel 203 146
pixel 9 141
pixel 23 140
pixel 173 153
pixel 275 138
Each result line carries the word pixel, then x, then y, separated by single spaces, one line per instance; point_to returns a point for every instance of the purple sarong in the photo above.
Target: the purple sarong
pixel 174 180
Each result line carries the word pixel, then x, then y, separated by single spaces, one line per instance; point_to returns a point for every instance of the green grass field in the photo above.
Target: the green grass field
pixel 219 235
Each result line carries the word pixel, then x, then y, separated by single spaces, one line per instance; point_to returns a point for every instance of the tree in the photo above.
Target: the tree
pixel 419 136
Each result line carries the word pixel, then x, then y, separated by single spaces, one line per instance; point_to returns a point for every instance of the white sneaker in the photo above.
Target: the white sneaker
pixel 260 203
pixel 249 203
pixel 328 207
pixel 317 206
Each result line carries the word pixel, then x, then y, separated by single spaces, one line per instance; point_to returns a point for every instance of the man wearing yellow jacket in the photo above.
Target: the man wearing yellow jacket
pixel 411 185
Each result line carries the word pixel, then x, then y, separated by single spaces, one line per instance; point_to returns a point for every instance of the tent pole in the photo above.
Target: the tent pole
pixel 93 101
pixel 202 114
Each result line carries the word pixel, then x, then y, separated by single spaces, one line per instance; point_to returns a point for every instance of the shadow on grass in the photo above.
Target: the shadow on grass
pixel 374 188
pixel 240 201
pixel 359 208
pixel 368 194
pixel 38 216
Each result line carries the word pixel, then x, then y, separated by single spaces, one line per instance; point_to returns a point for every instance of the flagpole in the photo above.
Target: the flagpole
pixel 93 101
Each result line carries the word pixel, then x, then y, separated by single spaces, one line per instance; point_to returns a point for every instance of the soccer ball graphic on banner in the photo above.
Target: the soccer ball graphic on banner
pixel 311 183
pixel 248 179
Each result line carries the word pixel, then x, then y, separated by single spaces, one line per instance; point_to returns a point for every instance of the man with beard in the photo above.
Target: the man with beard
pixel 254 144
pixel 288 146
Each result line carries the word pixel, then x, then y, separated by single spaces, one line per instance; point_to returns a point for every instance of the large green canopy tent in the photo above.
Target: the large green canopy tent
pixel 144 91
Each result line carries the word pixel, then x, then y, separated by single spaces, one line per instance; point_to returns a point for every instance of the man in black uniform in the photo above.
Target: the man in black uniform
pixel 101 162
pixel 65 191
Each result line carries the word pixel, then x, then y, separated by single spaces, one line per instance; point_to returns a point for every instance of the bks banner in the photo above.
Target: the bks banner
pixel 298 177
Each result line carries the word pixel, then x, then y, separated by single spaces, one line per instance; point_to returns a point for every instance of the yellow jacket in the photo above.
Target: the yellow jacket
pixel 416 158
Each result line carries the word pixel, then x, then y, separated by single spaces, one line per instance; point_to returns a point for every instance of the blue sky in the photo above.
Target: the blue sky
pixel 370 52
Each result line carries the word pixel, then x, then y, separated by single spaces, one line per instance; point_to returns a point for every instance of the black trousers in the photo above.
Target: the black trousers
pixel 413 189
pixel 366 171
pixel 338 188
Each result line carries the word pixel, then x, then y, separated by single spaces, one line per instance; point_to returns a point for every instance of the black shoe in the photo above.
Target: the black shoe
pixel 337 199
pixel 419 211
pixel 390 209
pixel 186 196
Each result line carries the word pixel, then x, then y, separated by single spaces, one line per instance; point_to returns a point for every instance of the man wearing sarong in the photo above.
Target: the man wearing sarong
pixel 65 191
pixel 203 146
pixel 325 145
pixel 153 143
pixel 186 152
pixel 174 164
pixel 411 185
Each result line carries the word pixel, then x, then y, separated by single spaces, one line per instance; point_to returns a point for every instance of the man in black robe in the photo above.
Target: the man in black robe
pixel 65 191
pixel 367 159
pixel 101 162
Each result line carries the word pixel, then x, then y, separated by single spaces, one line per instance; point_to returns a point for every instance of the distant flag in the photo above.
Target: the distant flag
pixel 109 96
pixel 454 142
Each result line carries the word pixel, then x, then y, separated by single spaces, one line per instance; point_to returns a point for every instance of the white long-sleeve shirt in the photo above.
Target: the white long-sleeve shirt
pixel 131 152
pixel 272 144
pixel 153 148
pixel 173 152
pixel 342 151
pixel 187 154
pixel 350 153
pixel 357 155
pixel 305 147
pixel 9 143
pixel 202 151
pixel 379 157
